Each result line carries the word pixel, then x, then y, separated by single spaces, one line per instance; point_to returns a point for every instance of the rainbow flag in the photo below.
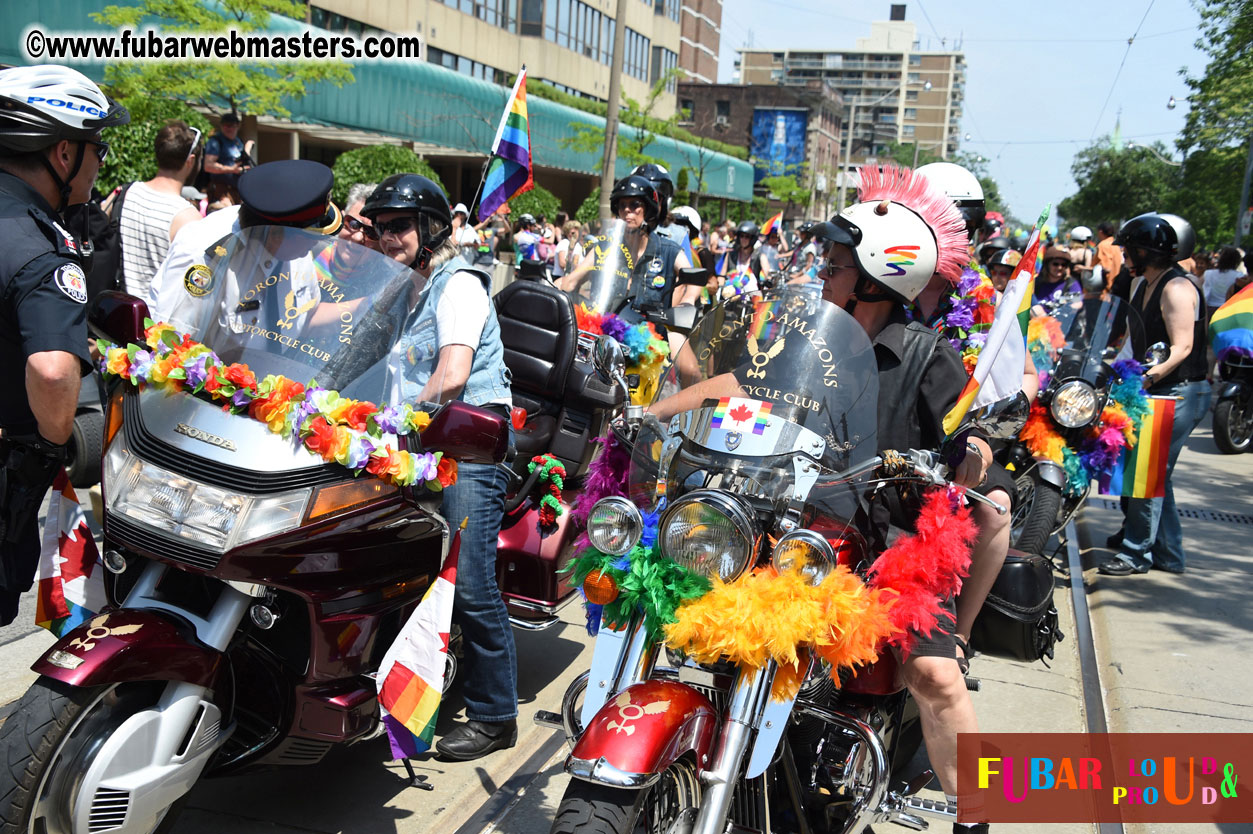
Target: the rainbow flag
pixel 1140 471
pixel 411 676
pixel 70 578
pixel 509 173
pixel 997 374
pixel 1231 328
pixel 772 225
pixel 737 412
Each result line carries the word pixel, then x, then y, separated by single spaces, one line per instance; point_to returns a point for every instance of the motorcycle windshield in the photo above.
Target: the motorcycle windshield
pixel 773 398
pixel 308 307
pixel 1103 330
pixel 606 287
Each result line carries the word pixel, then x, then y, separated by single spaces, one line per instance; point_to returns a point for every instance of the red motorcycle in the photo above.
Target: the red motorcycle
pixel 253 587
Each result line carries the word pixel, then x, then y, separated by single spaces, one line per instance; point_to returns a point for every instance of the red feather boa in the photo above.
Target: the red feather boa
pixel 925 567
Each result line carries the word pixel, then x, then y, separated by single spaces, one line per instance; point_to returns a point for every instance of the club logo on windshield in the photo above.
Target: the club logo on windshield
pixel 292 310
pixel 761 358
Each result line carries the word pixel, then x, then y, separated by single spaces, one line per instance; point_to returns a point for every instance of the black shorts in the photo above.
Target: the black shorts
pixel 998 478
pixel 939 643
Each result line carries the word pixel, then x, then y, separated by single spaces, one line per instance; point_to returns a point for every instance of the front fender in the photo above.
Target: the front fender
pixel 1051 472
pixel 1234 390
pixel 641 732
pixel 132 644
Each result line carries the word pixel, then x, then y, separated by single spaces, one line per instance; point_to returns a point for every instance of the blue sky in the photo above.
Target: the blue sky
pixel 1037 75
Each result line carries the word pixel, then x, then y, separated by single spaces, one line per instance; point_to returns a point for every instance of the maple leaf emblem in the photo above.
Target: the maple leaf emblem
pixel 740 413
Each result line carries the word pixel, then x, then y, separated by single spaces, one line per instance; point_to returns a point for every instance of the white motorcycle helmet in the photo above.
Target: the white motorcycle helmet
pixel 1081 234
pixel 688 217
pixel 963 188
pixel 902 231
pixel 41 105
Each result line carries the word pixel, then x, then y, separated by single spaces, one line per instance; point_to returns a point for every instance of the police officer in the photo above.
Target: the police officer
pixel 50 153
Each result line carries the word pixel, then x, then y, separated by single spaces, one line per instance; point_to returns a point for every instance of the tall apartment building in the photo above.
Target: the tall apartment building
pixel 567 43
pixel 700 35
pixel 886 77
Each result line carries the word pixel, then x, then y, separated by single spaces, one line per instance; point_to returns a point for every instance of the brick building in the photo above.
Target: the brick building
pixel 700 33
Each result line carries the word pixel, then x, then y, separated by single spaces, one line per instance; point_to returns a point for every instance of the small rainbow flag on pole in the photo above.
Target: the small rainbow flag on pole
pixel 1231 328
pixel 411 676
pixel 509 173
pixel 1140 471
pixel 998 371
pixel 772 225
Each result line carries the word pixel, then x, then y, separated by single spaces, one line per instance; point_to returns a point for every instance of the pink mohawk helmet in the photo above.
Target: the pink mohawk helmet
pixel 932 206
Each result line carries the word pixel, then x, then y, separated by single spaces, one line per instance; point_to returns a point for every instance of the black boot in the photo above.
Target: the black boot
pixel 475 739
pixel 980 828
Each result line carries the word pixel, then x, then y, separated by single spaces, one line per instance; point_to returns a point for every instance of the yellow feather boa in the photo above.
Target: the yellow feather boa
pixel 766 615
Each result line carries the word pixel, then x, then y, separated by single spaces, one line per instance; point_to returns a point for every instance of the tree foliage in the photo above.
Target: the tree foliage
pixel 634 150
pixel 132 156
pixel 375 164
pixel 536 202
pixel 258 87
pixel 789 188
pixel 1117 184
pixel 1221 112
pixel 589 209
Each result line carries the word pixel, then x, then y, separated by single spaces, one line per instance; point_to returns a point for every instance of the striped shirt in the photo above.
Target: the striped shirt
pixel 145 231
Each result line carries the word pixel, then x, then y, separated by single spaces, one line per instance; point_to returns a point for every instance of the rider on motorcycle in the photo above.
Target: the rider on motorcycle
pixel 653 260
pixel 451 350
pixel 920 379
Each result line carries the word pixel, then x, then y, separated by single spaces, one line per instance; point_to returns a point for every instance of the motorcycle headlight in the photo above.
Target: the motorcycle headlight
pixel 710 533
pixel 208 516
pixel 614 526
pixel 1075 404
pixel 806 550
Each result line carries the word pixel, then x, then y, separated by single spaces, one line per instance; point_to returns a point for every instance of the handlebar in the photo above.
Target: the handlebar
pixel 928 467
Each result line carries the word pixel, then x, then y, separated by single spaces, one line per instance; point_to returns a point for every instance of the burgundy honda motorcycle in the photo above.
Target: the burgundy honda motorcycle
pixel 253 587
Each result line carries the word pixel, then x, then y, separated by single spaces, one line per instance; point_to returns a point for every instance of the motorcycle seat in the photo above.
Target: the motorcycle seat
pixel 535 437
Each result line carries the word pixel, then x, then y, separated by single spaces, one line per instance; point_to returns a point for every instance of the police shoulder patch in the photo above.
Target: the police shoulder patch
pixel 198 280
pixel 70 280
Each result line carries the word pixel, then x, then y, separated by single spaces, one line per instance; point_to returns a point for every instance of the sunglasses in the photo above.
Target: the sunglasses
pixel 101 148
pixel 195 141
pixel 354 225
pixel 396 226
pixel 633 205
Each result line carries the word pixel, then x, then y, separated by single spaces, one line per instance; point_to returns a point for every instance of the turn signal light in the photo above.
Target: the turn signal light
pixel 349 494
pixel 600 588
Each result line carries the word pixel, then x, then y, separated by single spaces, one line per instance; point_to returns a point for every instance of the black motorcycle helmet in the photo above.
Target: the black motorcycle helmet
pixel 526 221
pixel 414 194
pixel 806 227
pixel 1152 239
pixel 639 187
pixel 992 228
pixel 1020 240
pixel 660 178
pixel 991 247
pixel 749 229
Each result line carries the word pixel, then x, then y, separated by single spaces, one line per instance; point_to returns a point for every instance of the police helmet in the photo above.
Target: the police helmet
pixel 41 105
pixel 414 194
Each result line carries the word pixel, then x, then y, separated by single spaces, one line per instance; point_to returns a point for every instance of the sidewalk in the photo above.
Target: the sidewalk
pixel 1169 646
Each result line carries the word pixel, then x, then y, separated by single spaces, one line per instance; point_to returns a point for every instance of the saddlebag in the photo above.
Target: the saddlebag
pixel 1018 620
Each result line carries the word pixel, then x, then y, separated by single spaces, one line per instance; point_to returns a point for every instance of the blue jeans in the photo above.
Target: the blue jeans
pixel 490 683
pixel 1153 534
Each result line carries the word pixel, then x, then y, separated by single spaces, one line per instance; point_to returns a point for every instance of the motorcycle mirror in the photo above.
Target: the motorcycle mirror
pixel 608 359
pixel 118 317
pixel 693 276
pixel 1003 419
pixel 681 319
pixel 1156 354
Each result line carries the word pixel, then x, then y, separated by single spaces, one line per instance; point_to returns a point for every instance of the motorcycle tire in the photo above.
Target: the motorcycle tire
pixel 588 808
pixel 46 743
pixel 85 449
pixel 1233 428
pixel 1041 514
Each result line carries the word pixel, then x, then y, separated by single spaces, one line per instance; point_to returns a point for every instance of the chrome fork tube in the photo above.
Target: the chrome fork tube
pixel 748 700
pixel 639 655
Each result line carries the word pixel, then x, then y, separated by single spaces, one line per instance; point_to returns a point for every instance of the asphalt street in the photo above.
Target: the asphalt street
pixel 1168 651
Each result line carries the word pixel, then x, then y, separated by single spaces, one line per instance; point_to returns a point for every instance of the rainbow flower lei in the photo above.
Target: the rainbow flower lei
pixel 968 312
pixel 339 429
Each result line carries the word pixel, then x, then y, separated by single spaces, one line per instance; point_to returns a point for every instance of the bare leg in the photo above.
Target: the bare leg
pixel 986 558
pixel 945 709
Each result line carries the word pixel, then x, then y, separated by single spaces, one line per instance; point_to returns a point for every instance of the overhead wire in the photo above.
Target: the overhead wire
pixel 1113 85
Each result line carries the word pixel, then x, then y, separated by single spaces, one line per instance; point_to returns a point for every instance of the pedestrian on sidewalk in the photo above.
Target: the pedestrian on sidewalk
pixel 1174 312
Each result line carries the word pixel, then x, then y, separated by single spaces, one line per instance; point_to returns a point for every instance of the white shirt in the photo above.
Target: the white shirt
pixel 187 250
pixel 145 230
pixel 1216 283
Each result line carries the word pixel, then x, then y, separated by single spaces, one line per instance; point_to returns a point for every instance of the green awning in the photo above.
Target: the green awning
pixel 416 101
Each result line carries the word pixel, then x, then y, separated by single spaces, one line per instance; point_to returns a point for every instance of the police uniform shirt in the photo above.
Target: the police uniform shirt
pixel 43 294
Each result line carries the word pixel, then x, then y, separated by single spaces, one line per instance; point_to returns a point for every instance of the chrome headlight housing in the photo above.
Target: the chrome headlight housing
pixel 1075 404
pixel 207 516
pixel 711 533
pixel 806 550
pixel 614 526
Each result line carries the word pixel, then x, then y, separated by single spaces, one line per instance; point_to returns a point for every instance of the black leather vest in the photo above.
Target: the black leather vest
pixel 1193 367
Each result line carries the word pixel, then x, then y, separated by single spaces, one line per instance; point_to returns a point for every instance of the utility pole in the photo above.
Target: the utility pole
pixel 610 159
pixel 1244 193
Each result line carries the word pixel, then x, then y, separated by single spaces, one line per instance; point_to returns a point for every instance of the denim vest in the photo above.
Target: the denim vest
pixel 654 277
pixel 416 352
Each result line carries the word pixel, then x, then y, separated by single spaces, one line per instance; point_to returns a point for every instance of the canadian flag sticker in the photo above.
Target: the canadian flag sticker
pixel 738 414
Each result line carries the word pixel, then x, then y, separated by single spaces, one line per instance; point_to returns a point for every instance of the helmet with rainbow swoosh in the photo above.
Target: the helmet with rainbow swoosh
pixel 902 230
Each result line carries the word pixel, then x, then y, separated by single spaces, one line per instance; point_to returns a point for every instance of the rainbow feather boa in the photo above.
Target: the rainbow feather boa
pixel 345 431
pixel 645 349
pixel 1117 428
